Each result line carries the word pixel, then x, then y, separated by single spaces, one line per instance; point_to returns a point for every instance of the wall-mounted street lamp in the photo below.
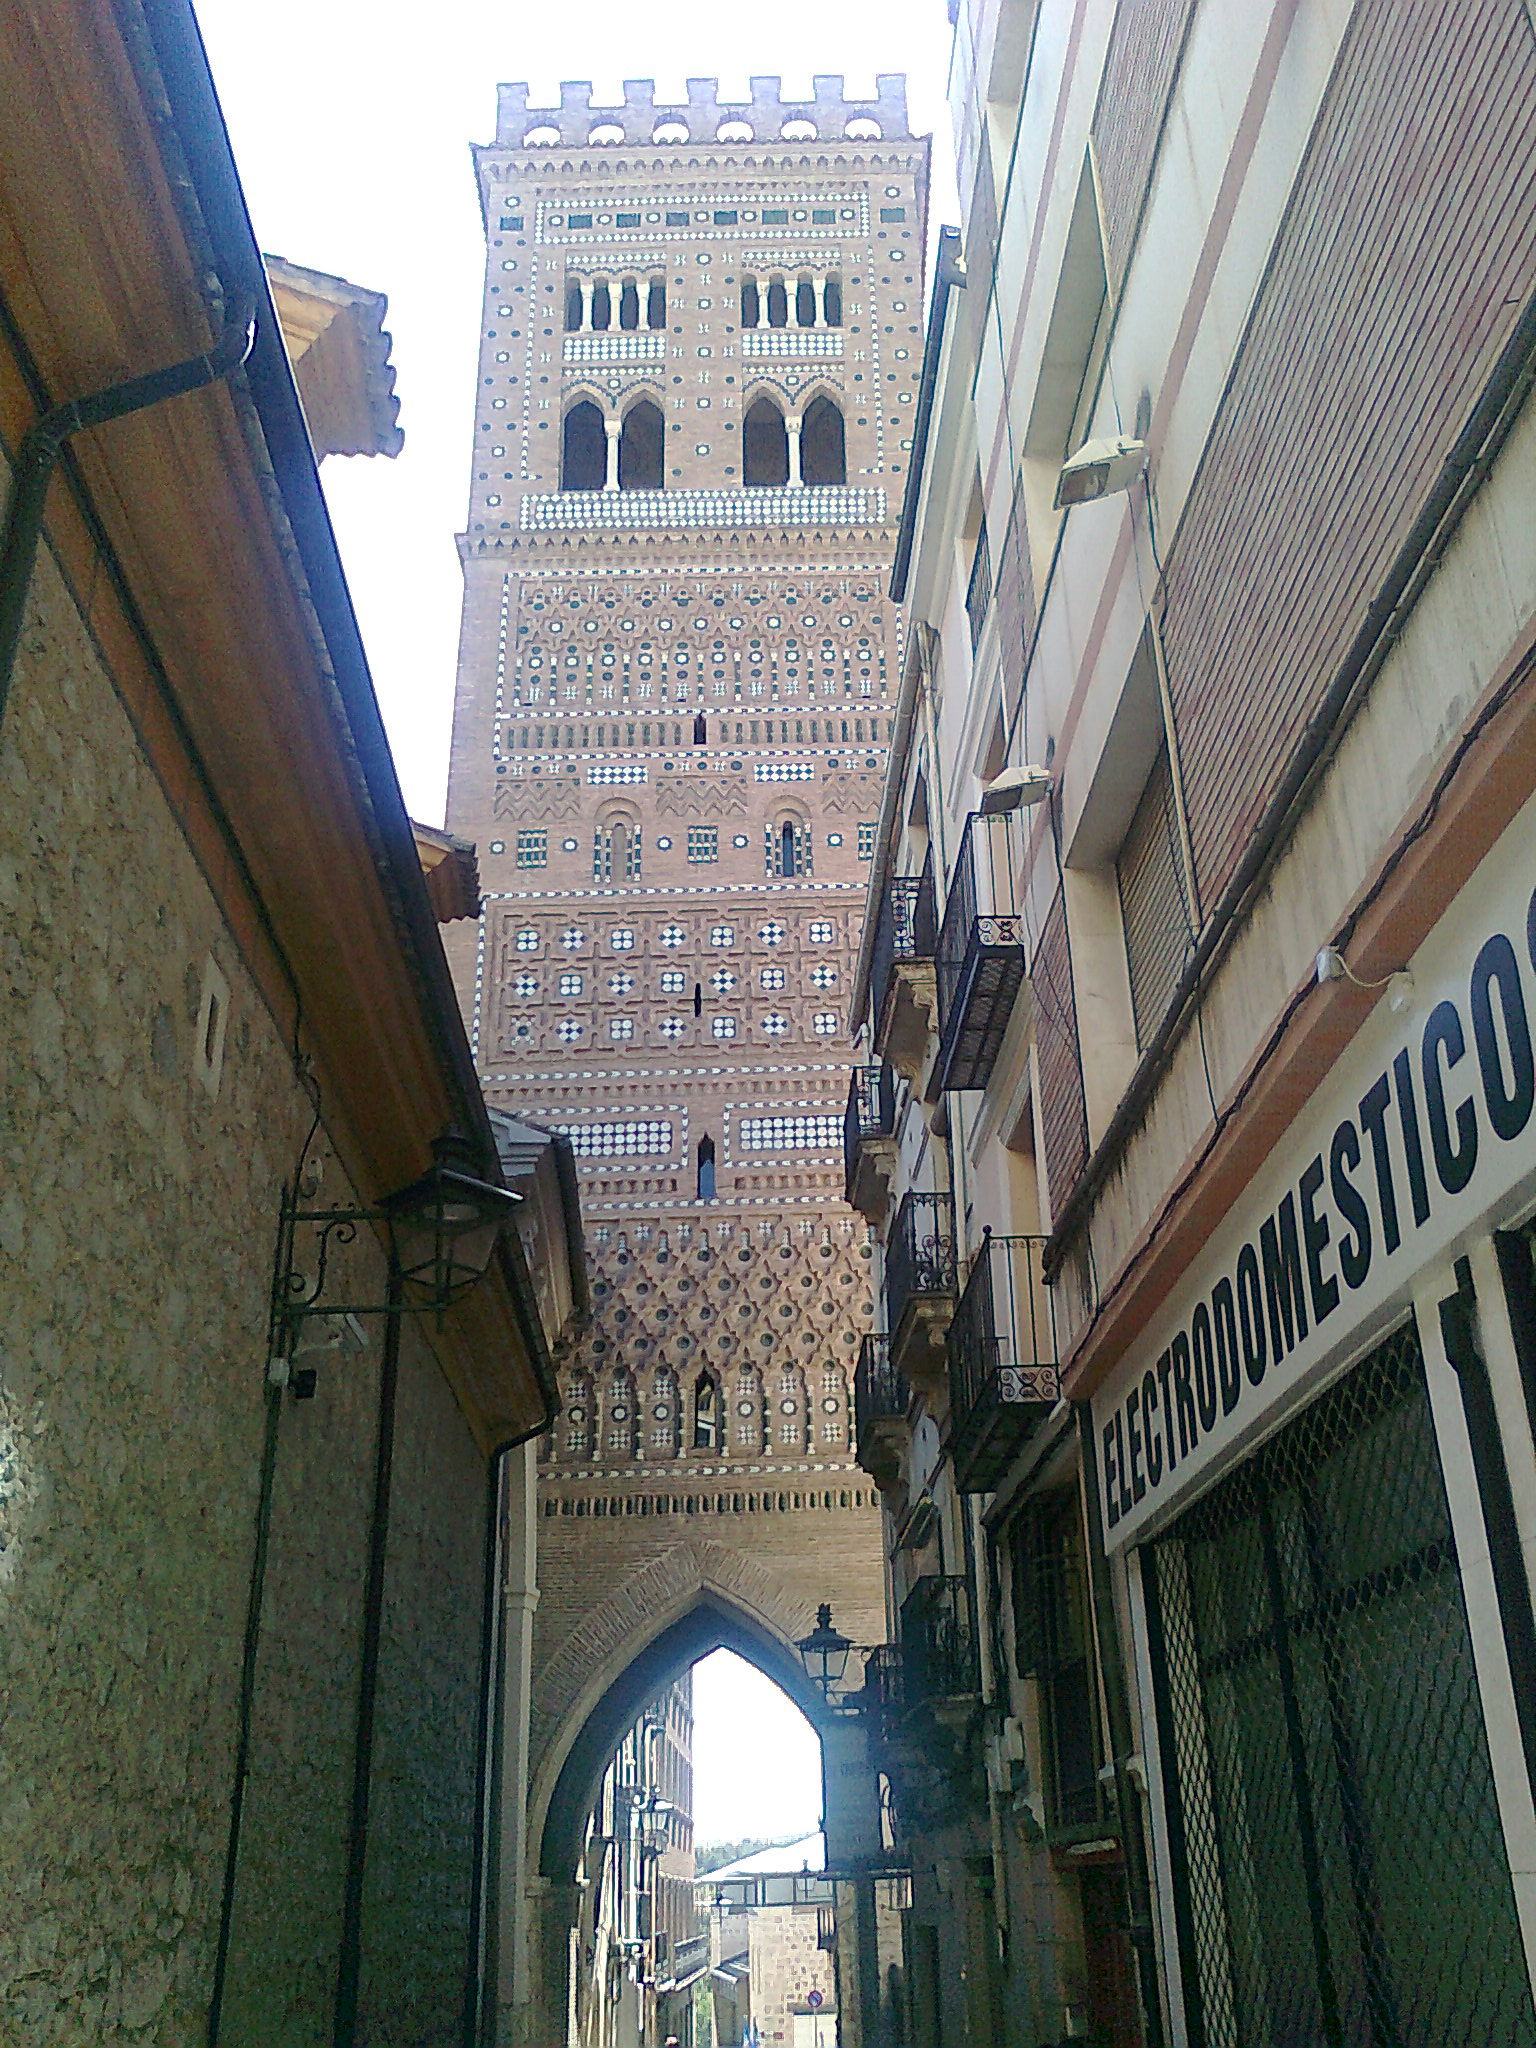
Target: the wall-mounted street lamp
pixel 825 1653
pixel 442 1232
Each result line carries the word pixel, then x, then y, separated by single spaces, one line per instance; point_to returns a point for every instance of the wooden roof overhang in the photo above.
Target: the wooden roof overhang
pixel 197 542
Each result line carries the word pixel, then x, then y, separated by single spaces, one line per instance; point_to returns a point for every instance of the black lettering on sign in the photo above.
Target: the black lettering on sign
pixel 1322 1286
pixel 1281 1253
pixel 1413 1147
pixel 1508 1071
pixel 1355 1244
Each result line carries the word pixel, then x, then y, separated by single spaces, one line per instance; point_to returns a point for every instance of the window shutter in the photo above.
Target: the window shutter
pixel 1152 905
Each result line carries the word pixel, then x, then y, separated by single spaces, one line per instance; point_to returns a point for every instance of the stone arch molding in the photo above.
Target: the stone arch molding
pixel 737 1599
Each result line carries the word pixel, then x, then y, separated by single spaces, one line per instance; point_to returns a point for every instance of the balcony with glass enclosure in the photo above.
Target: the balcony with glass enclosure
pixel 979 964
pixel 901 983
pixel 1001 1351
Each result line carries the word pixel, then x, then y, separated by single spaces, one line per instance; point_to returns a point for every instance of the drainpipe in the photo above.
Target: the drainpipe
pixel 45 442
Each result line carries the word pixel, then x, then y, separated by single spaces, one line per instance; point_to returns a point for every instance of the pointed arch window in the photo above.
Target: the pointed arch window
pixel 764 445
pixel 823 454
pixel 583 448
pixel 706 1413
pixel 706 1169
pixel 640 448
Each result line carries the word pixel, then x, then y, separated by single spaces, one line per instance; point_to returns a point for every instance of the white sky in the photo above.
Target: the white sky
pixel 351 126
pixel 756 1759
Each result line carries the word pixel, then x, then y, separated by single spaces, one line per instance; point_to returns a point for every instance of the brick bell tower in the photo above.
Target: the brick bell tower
pixel 701 343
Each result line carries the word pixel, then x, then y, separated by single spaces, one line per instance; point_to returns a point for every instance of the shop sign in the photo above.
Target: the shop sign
pixel 1421 1134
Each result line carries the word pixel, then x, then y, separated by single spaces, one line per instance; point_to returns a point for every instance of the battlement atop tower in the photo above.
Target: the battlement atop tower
pixel 766 117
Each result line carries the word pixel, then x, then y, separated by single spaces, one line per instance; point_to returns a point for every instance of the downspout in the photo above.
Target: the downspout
pixel 45 441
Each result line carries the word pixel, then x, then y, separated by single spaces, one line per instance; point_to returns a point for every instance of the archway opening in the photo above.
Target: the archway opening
pixel 583 457
pixel 823 457
pixel 697 1860
pixel 764 445
pixel 640 448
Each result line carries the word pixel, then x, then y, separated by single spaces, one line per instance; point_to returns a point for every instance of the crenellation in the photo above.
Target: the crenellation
pixel 767 116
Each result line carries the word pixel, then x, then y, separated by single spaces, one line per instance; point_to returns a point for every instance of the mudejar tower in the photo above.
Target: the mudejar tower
pixel 701 343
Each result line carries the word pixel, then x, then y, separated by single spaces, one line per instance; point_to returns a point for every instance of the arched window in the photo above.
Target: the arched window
pixel 602 308
pixel 573 306
pixel 629 304
pixel 805 303
pixel 749 302
pixel 706 1168
pixel 656 303
pixel 778 303
pixel 616 851
pixel 640 445
pixel 789 848
pixel 583 448
pixel 823 458
pixel 764 445
pixel 700 729
pixel 832 302
pixel 706 1413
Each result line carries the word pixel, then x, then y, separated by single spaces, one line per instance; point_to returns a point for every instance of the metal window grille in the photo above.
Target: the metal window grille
pixel 532 849
pixel 1343 1872
pixel 703 843
pixel 1053 1646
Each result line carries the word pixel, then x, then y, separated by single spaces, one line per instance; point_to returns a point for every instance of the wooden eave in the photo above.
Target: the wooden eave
pixel 230 635
pixel 337 343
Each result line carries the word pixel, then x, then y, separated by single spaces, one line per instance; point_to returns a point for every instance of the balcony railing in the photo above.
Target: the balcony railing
pixel 919 1265
pixel 870 1115
pixel 906 931
pixel 880 1400
pixel 939 1658
pixel 1001 1350
pixel 979 964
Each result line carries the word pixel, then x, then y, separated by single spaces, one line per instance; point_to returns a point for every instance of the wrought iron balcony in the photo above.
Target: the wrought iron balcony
pixel 920 1280
pixel 901 968
pixel 880 1399
pixel 869 1138
pixel 1001 1350
pixel 979 965
pixel 939 1660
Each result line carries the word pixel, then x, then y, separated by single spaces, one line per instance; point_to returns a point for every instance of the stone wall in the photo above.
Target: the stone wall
pixel 137 1225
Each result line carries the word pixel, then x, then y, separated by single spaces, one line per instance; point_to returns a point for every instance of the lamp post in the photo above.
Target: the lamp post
pixel 441 1234
pixel 824 1653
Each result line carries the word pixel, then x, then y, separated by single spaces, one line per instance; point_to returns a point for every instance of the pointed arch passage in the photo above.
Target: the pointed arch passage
pixel 764 445
pixel 640 448
pixel 583 448
pixel 823 453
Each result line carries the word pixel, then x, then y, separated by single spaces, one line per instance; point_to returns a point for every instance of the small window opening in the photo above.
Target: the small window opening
pixel 805 304
pixel 706 1151
pixel 656 304
pixel 640 448
pixel 602 309
pixel 750 302
pixel 700 729
pixel 778 303
pixel 629 305
pixel 706 1411
pixel 573 308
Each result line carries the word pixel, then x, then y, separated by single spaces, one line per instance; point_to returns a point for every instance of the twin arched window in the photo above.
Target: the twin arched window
pixel 593 459
pixel 804 448
pixel 776 447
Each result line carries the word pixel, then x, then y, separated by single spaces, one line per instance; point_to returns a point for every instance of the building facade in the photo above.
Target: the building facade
pixel 697 381
pixel 245 1550
pixel 1198 977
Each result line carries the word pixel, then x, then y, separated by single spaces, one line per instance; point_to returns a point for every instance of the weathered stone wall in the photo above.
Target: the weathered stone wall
pixel 137 1227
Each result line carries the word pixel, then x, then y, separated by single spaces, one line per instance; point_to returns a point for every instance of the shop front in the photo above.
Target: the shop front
pixel 1318 1478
